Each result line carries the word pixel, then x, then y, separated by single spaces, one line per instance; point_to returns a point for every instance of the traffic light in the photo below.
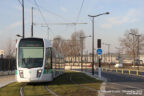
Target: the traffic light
pixel 99 43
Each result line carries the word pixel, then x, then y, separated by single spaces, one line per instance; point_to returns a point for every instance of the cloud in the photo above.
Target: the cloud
pixel 63 9
pixel 14 25
pixel 130 17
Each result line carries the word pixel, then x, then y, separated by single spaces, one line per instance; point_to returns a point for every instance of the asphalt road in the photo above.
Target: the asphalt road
pixel 123 85
pixel 118 84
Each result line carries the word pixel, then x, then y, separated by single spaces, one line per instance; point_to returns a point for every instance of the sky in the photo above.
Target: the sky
pixel 124 15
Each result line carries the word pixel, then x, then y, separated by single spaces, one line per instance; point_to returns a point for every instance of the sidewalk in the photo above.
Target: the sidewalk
pixel 5 80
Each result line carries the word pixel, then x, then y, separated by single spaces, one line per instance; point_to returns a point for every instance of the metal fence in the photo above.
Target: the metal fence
pixel 7 64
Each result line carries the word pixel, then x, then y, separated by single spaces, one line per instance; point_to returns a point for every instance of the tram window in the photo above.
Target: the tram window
pixel 30 57
pixel 30 53
pixel 48 58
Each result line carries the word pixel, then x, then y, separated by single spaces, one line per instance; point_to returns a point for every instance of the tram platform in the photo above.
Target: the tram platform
pixel 5 80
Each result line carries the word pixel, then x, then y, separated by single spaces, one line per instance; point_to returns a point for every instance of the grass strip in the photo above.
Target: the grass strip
pixel 11 89
pixel 63 86
pixel 34 89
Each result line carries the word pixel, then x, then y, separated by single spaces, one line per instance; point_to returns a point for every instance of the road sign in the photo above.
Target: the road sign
pixel 99 51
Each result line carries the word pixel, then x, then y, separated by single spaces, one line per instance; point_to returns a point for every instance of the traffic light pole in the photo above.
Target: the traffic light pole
pixel 99 57
pixel 99 69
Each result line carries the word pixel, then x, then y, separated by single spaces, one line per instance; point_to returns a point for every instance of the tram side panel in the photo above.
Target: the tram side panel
pixel 48 72
pixel 57 63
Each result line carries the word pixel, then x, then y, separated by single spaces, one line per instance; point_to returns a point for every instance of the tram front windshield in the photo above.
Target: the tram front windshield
pixel 31 53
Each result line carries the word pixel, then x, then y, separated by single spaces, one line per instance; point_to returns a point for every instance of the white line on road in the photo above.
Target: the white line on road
pixel 126 86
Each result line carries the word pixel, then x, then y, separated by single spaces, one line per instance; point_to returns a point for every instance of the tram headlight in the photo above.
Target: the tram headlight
pixel 21 73
pixel 39 72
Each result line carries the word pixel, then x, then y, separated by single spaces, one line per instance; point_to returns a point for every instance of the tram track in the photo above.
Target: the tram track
pixel 50 91
pixel 22 89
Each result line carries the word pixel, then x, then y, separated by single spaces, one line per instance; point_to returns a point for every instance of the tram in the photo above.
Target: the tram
pixel 37 61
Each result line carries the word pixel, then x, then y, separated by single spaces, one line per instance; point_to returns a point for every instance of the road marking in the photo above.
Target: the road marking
pixel 127 86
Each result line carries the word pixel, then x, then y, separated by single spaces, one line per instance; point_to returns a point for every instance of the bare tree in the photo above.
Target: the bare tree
pixel 130 43
pixel 61 45
pixel 10 48
pixel 77 42
pixel 10 51
pixel 71 47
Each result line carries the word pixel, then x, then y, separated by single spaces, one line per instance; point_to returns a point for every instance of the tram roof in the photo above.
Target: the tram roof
pixel 47 43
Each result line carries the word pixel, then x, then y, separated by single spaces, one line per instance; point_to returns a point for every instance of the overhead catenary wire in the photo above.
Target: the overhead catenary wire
pixel 77 19
pixel 79 12
pixel 44 20
pixel 40 12
pixel 20 2
pixel 52 13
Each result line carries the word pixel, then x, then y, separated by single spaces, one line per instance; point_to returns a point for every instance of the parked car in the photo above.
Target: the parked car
pixel 118 65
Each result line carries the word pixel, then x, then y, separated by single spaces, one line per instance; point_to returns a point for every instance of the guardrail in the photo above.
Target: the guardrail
pixel 125 71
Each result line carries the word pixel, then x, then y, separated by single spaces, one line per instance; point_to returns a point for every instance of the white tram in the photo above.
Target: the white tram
pixel 37 61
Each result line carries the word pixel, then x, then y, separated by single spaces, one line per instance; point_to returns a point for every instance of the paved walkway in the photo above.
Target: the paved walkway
pixel 4 80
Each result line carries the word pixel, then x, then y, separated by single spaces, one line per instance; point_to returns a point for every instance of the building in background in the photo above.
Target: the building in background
pixel 1 53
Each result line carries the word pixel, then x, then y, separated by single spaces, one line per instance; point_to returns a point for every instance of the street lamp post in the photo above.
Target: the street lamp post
pixel 81 40
pixel 108 56
pixel 18 35
pixel 93 37
pixel 138 53
pixel 138 56
pixel 133 51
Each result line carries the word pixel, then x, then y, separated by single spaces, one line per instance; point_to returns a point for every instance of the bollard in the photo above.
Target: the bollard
pixel 137 73
pixel 116 70
pixel 129 72
pixel 122 71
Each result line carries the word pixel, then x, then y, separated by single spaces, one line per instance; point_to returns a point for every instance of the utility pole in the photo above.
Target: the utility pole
pixel 81 40
pixel 133 50
pixel 138 53
pixel 108 54
pixel 48 33
pixel 32 22
pixel 23 24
